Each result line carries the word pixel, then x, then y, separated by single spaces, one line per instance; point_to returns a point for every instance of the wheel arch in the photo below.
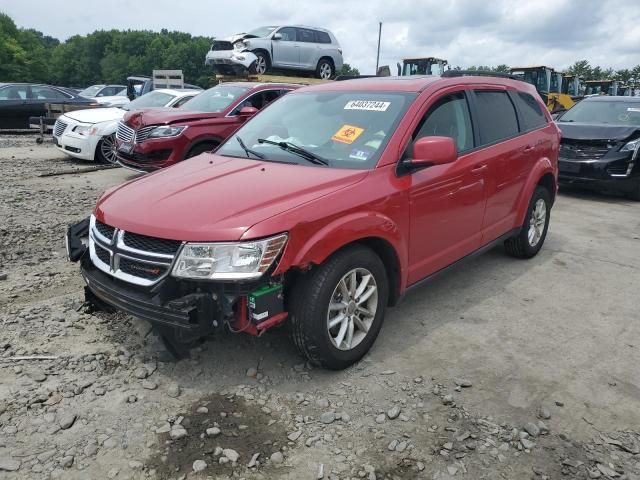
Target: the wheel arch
pixel 214 141
pixel 541 174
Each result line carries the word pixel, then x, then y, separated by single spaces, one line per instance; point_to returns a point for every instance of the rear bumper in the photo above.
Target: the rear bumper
pixel 615 172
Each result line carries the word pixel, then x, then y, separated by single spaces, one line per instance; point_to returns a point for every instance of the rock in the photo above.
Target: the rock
pixel 149 385
pixel 252 372
pixel 320 475
pixel 177 432
pixel 532 429
pixel 447 399
pixel 527 444
pixel 322 403
pixel 544 413
pixel 202 410
pixel 254 460
pixel 448 446
pixel 595 473
pixel 393 412
pixel 544 430
pixel 199 465
pixel 141 373
pixel 392 445
pixel 67 461
pixel 463 382
pixel 420 466
pixel 277 458
pixel 381 418
pixel 90 450
pixel 559 403
pixel 401 447
pixel 452 469
pixel 164 428
pixel 605 470
pixel 231 454
pixel 67 420
pixel 38 376
pixel 110 443
pixel 135 465
pixel 174 391
pixel 293 436
pixel 9 465
pixel 213 432
pixel 328 417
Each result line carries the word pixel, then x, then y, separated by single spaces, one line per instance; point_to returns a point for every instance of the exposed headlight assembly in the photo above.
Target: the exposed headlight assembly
pixel 228 261
pixel 166 131
pixel 633 145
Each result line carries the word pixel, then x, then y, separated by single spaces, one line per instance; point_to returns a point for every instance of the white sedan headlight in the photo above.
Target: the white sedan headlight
pixel 85 129
pixel 168 131
pixel 228 261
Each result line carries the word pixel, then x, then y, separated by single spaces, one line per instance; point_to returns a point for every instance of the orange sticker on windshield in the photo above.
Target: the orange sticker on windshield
pixel 347 134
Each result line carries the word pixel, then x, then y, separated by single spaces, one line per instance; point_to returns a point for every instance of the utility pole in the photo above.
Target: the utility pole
pixel 378 56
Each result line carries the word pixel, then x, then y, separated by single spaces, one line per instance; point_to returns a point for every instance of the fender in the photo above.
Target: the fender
pixel 342 231
pixel 541 168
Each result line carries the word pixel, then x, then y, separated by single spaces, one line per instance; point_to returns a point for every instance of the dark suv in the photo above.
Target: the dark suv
pixel 325 209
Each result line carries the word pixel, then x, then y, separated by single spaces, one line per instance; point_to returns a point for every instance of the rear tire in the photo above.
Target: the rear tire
pixel 325 69
pixel 337 310
pixel 106 150
pixel 528 242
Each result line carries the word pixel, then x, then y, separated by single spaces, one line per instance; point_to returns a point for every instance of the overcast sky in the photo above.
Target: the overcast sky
pixel 466 32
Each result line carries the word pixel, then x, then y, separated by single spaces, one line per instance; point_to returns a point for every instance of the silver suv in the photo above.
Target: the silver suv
pixel 292 47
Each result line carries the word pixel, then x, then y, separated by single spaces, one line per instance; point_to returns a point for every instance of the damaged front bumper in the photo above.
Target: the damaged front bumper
pixel 231 62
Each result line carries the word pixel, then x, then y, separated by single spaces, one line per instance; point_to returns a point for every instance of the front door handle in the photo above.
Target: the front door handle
pixel 479 169
pixel 528 148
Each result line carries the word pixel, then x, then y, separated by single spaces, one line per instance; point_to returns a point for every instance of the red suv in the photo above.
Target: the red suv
pixel 326 208
pixel 155 138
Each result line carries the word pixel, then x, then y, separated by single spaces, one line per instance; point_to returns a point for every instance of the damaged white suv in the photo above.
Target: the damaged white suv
pixel 309 49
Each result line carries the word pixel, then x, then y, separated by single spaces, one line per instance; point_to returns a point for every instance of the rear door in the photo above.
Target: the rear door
pixel 308 48
pixel 14 109
pixel 506 154
pixel 446 201
pixel 286 51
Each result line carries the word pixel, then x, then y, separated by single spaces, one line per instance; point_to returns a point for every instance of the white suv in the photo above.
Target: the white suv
pixel 292 47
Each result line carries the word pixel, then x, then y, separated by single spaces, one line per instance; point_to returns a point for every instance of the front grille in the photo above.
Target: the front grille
pixel 125 133
pixel 103 255
pixel 151 244
pixel 575 150
pixel 105 230
pixel 59 128
pixel 142 270
pixel 143 133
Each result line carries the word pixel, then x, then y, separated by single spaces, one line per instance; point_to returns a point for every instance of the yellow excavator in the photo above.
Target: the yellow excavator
pixel 422 66
pixel 549 85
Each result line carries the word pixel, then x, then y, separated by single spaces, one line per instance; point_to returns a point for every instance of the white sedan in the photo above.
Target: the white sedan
pixel 90 134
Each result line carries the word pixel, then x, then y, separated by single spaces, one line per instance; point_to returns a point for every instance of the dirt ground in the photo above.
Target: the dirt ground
pixel 500 369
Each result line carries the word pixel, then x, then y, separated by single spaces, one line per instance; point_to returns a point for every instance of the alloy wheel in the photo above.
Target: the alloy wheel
pixel 108 149
pixel 325 71
pixel 352 308
pixel 261 65
pixel 537 222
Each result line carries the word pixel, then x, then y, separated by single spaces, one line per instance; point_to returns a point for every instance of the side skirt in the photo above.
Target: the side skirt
pixel 457 263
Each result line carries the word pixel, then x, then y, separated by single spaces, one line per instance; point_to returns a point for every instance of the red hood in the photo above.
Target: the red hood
pixel 213 198
pixel 164 116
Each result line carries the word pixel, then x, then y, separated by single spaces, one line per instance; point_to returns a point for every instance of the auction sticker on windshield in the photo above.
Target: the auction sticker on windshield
pixel 347 134
pixel 633 109
pixel 370 105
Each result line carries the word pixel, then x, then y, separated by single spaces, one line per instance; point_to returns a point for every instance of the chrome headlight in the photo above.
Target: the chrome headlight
pixel 228 261
pixel 85 129
pixel 165 131
pixel 631 146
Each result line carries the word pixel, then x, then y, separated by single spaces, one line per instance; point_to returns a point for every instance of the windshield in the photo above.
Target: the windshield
pixel 215 99
pixel 422 67
pixel 347 129
pixel 536 77
pixel 91 91
pixel 614 113
pixel 261 32
pixel 150 100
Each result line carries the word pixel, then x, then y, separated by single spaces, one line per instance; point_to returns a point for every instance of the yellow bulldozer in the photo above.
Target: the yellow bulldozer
pixel 421 66
pixel 549 85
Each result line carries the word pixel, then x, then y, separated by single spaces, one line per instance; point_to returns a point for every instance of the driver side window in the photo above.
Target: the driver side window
pixel 449 117
pixel 288 34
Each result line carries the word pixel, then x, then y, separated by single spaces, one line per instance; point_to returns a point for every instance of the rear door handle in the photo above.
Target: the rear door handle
pixel 528 148
pixel 479 169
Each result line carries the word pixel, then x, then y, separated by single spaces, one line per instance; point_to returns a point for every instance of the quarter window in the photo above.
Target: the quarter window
pixel 531 114
pixel 496 116
pixel 322 37
pixel 449 117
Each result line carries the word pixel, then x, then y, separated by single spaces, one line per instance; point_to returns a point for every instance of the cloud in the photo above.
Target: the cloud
pixel 466 32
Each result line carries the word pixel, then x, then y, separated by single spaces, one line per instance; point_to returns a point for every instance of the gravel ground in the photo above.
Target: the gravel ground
pixel 499 369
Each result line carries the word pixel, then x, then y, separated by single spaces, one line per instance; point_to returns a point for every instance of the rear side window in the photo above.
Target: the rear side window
pixel 305 35
pixel 322 37
pixel 449 117
pixel 531 114
pixel 497 118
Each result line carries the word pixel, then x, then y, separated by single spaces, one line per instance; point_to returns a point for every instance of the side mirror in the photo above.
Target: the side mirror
pixel 247 112
pixel 430 151
pixel 277 36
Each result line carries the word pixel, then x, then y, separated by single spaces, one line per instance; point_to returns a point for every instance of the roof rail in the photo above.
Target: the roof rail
pixel 478 73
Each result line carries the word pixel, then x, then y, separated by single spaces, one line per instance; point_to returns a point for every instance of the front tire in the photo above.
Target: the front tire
pixel 528 242
pixel 262 64
pixel 337 310
pixel 106 150
pixel 325 69
pixel 201 148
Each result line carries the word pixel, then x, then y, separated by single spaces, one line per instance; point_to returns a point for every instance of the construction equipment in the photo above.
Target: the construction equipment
pixel 602 87
pixel 422 66
pixel 573 85
pixel 549 84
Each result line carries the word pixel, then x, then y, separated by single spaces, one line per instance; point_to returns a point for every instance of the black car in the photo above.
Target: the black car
pixel 600 144
pixel 19 101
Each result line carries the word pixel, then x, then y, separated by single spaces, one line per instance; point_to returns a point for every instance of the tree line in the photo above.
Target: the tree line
pixel 27 55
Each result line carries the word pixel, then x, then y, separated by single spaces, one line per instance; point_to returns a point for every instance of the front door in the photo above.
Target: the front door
pixel 447 202
pixel 286 50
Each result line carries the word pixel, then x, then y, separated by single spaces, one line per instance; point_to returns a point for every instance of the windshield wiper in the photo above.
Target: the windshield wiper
pixel 297 150
pixel 247 149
